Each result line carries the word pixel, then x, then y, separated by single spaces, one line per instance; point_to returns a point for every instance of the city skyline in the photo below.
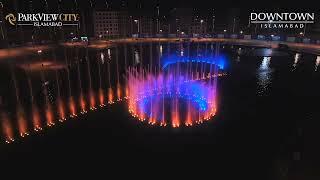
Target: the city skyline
pixel 149 18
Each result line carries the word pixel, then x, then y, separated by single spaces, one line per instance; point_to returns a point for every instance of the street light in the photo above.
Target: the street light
pixel 137 22
pixel 201 21
pixel 241 32
pixel 225 30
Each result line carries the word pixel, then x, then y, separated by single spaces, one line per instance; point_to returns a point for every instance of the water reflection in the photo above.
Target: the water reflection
pixel 239 51
pixel 264 76
pixel 102 57
pixel 182 51
pixel 238 59
pixel 296 60
pixel 160 50
pixel 317 63
pixel 136 57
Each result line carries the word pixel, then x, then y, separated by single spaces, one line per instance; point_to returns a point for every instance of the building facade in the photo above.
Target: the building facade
pixel 110 24
pixel 198 27
pixel 180 20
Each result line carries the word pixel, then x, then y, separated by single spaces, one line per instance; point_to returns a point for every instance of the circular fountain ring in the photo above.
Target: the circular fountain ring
pixel 170 99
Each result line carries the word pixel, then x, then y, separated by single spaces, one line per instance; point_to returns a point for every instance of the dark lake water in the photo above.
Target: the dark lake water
pixel 265 127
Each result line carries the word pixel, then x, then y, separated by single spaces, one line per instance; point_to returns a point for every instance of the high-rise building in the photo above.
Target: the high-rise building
pixel 198 26
pixel 180 20
pixel 110 24
pixel 233 20
pixel 146 26
pixel 142 20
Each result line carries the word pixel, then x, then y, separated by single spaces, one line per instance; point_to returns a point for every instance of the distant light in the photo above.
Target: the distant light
pixel 301 33
pixel 182 32
pixel 225 30
pixel 272 35
pixel 136 20
pixel 241 32
pixel 39 51
pixel 201 20
pixel 160 30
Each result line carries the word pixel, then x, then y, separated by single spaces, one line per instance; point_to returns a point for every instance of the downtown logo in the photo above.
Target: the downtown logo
pixel 284 20
pixel 43 19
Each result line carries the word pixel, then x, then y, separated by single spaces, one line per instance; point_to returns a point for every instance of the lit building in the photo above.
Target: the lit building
pixel 142 24
pixel 146 26
pixel 180 20
pixel 233 20
pixel 110 24
pixel 198 26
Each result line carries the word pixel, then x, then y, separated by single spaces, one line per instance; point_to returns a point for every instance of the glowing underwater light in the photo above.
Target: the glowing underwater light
pixel 173 59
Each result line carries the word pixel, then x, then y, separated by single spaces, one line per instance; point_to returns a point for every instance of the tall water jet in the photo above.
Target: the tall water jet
pixel 188 121
pixel 91 93
pixel 81 100
pixel 100 93
pixel 7 128
pixel 60 104
pixel 126 90
pixel 36 121
pixel 20 115
pixel 125 57
pixel 141 56
pixel 110 92
pixel 62 114
pixel 72 106
pixel 48 109
pixel 118 80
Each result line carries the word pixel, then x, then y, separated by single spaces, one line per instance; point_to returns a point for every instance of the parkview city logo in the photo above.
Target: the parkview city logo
pixel 43 19
pixel 283 20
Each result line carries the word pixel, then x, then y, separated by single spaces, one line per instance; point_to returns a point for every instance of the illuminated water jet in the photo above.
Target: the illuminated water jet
pixel 7 128
pixel 92 100
pixel 36 118
pixel 72 107
pixel 81 97
pixel 82 104
pixel 22 124
pixel 20 115
pixel 49 116
pixel 153 97
pixel 110 96
pixel 62 114
pixel 118 92
pixel 35 112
